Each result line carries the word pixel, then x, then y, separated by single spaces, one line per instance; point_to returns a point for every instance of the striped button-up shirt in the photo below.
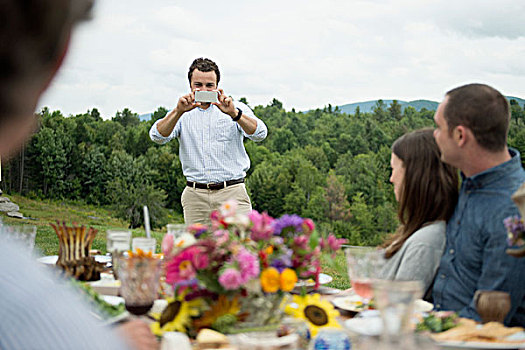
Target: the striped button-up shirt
pixel 211 145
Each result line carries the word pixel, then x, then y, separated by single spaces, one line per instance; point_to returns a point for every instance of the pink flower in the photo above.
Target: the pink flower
pixel 182 266
pixel 248 263
pixel 301 242
pixel 262 228
pixel 221 236
pixel 332 243
pixel 167 245
pixel 230 279
pixel 200 261
pixel 308 226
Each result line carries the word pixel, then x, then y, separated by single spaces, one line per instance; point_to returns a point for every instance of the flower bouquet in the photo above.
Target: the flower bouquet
pixel 515 235
pixel 236 273
pixel 516 227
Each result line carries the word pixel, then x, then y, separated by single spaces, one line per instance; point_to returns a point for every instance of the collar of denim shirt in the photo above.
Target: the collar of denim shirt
pixel 484 178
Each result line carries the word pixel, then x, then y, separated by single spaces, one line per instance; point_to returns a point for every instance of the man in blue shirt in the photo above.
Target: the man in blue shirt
pixel 471 131
pixel 211 149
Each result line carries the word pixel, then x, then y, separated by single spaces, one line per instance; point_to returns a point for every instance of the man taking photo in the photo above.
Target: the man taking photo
pixel 211 128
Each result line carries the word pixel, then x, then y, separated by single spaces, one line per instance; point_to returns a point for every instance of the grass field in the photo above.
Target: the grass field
pixel 42 213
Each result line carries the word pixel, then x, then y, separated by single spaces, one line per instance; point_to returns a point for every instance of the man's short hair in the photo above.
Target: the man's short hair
pixel 482 109
pixel 33 35
pixel 204 65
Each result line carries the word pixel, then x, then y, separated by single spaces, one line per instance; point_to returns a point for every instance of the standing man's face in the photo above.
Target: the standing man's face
pixel 443 137
pixel 203 81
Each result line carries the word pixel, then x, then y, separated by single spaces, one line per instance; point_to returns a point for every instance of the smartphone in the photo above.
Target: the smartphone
pixel 206 96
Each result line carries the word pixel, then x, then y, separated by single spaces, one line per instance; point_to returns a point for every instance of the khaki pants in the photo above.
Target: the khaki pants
pixel 199 203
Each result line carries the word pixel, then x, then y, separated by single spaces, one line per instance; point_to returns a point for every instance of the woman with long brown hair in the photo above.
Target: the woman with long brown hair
pixel 427 192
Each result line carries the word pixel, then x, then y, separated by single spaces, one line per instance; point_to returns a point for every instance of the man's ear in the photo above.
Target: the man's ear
pixel 461 135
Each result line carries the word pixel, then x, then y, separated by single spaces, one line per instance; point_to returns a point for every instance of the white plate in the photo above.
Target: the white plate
pixel 422 306
pixel 112 299
pixel 52 259
pixel 478 345
pixel 117 318
pixel 520 336
pixel 323 279
pixel 368 326
pixel 352 303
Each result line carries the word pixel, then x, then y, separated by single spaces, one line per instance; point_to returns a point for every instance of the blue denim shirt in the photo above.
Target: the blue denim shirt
pixel 474 256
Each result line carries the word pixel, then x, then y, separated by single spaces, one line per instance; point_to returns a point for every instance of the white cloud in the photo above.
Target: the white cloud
pixel 307 54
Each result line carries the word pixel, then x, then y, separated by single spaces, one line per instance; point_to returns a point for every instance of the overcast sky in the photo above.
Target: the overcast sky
pixel 136 53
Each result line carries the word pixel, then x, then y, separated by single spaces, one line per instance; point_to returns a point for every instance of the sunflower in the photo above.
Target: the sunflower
pixel 176 316
pixel 316 312
pixel 222 314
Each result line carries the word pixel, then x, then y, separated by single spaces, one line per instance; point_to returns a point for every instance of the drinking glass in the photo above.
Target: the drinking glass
pixel 364 266
pixel 23 235
pixel 139 277
pixel 492 305
pixel 395 302
pixel 176 229
pixel 117 242
pixel 143 243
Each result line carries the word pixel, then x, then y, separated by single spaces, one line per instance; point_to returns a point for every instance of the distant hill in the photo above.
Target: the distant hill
pixel 520 101
pixel 145 117
pixel 368 106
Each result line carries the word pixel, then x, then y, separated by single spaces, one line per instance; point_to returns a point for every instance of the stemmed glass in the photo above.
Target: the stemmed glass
pixel 139 276
pixel 364 266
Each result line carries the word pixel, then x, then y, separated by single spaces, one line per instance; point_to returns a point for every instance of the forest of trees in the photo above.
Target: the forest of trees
pixel 323 164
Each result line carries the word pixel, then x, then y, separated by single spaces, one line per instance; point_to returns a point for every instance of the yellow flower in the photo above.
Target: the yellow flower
pixel 270 280
pixel 222 307
pixel 177 315
pixel 288 280
pixel 269 250
pixel 316 312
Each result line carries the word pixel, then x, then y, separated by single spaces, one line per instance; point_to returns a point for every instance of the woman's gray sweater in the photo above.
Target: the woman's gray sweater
pixel 418 258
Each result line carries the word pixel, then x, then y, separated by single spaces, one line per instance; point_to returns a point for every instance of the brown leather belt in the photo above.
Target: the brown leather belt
pixel 214 186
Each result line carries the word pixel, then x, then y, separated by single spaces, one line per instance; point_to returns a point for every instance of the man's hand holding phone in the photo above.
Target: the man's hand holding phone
pixel 186 103
pixel 226 104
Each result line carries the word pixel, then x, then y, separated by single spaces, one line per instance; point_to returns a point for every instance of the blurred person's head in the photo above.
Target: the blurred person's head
pixel 474 109
pixel 425 187
pixel 34 36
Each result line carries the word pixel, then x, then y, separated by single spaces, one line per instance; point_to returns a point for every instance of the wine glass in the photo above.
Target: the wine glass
pixel 364 265
pixel 139 276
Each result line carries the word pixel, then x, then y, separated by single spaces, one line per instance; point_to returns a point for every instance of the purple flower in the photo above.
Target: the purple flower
pixel 230 279
pixel 516 230
pixel 288 223
pixel 284 261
